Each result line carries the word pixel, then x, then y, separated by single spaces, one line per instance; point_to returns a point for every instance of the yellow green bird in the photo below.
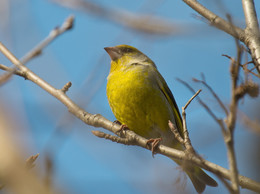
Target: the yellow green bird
pixel 141 99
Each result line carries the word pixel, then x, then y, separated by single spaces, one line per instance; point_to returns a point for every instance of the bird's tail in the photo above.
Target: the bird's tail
pixel 198 177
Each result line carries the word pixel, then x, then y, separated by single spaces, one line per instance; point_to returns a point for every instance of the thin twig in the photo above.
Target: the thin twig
pixel 175 132
pixel 232 116
pixel 67 24
pixel 12 70
pixel 250 70
pixel 226 183
pixel 5 77
pixel 205 106
pixel 113 138
pixel 213 93
pixel 186 138
pixel 194 96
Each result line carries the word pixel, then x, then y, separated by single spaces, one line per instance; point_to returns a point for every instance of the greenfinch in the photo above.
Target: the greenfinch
pixel 141 99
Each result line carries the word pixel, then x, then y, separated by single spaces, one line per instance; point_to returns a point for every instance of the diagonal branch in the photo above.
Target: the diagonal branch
pixel 215 20
pixel 250 36
pixel 205 106
pixel 67 25
pixel 221 104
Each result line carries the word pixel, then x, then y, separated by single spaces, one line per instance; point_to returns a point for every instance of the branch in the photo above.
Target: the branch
pixel 215 20
pixel 140 22
pixel 228 137
pixel 250 36
pixel 221 104
pixel 11 70
pixel 99 121
pixel 231 121
pixel 187 141
pixel 67 25
pixel 5 77
pixel 252 31
pixel 205 106
pixel 113 138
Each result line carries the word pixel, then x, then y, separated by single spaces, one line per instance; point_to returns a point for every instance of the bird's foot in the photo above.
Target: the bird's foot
pixel 153 143
pixel 122 126
pixel 117 122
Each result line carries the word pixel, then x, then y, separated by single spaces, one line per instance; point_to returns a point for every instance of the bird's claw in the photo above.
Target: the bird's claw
pixel 122 126
pixel 154 144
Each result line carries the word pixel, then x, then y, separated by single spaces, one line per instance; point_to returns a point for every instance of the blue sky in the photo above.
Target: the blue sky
pixel 84 163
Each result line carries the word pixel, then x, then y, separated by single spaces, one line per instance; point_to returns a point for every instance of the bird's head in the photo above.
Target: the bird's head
pixel 124 56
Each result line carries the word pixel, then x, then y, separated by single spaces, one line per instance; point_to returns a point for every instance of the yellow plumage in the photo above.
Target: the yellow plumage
pixel 140 98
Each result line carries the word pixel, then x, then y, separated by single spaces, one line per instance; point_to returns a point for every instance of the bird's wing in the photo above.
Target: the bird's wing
pixel 168 94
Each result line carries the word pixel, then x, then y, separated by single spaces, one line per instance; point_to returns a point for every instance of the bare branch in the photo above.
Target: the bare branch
pixel 67 25
pixel 250 36
pixel 226 183
pixel 5 77
pixel 228 136
pixel 251 71
pixel 187 141
pixel 176 133
pixel 194 96
pixel 143 23
pixel 231 119
pixel 12 70
pixel 213 93
pixel 205 106
pixel 113 138
pixel 252 31
pixel 215 20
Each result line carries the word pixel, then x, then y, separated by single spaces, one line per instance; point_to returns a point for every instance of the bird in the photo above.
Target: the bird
pixel 140 99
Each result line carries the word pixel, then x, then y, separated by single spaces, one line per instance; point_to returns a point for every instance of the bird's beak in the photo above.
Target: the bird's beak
pixel 113 52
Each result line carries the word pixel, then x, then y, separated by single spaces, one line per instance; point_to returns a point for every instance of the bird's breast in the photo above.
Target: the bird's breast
pixel 136 101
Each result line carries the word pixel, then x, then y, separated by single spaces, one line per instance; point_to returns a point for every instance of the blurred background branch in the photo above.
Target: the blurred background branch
pixel 149 24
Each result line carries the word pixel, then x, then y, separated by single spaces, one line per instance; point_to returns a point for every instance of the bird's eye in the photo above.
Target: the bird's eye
pixel 128 50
